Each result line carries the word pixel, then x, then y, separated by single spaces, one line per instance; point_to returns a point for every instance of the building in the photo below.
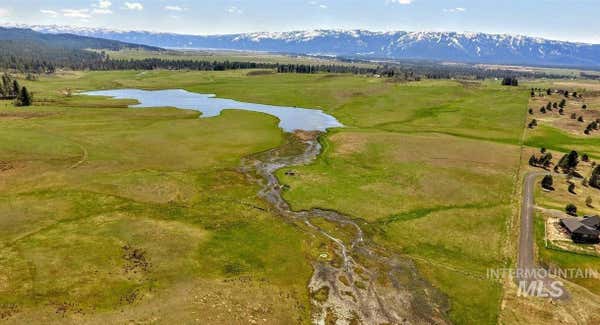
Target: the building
pixel 592 221
pixel 580 231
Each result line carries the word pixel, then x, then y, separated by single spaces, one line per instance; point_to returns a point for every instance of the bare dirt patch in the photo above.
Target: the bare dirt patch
pixel 136 260
pixel 306 135
pixel 6 166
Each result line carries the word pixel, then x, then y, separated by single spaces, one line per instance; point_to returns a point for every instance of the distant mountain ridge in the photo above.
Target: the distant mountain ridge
pixel 437 46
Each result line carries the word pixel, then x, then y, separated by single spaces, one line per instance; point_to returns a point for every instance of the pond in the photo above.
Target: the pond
pixel 290 118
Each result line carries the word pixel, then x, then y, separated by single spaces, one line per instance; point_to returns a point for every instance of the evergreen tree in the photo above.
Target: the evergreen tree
pixel 24 98
pixel 595 178
pixel 547 182
pixel 533 161
pixel 15 88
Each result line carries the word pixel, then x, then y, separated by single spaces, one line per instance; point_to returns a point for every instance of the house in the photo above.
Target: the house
pixel 592 221
pixel 580 232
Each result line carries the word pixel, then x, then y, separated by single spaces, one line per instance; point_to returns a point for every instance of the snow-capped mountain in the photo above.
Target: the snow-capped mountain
pixel 439 46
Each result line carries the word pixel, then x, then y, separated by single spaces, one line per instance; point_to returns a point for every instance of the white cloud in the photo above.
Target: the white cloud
pixel 103 4
pixel 457 9
pixel 76 13
pixel 323 6
pixel 401 2
pixel 235 10
pixel 48 12
pixel 133 6
pixel 174 8
pixel 4 12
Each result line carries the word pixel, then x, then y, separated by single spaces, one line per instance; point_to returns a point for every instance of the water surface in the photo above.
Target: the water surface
pixel 291 118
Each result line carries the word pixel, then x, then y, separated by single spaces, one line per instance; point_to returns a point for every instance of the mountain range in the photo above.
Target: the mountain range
pixel 434 46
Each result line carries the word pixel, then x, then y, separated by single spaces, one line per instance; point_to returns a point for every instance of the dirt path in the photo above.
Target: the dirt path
pixel 368 286
pixel 84 156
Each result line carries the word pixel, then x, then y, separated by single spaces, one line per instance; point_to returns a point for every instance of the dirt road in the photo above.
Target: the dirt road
pixel 528 274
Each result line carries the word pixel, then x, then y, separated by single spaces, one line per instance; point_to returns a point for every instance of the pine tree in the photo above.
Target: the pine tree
pixel 562 104
pixel 24 98
pixel 533 161
pixel 15 88
pixel 547 182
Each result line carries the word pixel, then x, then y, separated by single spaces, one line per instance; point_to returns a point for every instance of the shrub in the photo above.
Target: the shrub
pixel 571 209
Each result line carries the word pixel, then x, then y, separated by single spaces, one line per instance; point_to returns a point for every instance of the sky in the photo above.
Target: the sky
pixel 569 20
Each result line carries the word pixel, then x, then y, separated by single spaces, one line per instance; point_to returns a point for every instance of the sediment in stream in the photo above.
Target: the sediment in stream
pixel 370 285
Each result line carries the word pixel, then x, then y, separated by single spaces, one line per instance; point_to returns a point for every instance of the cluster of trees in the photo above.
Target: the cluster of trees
pixel 544 161
pixel 551 106
pixel 155 63
pixel 510 81
pixel 10 89
pixel 568 163
pixel 586 75
pixel 331 68
pixel 533 122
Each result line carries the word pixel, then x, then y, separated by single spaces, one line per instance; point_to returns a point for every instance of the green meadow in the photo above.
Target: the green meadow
pixel 429 168
pixel 110 214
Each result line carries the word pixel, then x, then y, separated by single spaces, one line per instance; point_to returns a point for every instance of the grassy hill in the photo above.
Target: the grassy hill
pixel 23 49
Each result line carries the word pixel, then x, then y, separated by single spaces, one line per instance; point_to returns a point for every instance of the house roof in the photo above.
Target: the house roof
pixel 575 225
pixel 571 223
pixel 593 222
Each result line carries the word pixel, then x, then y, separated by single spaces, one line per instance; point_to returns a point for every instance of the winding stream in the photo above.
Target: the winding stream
pixel 380 289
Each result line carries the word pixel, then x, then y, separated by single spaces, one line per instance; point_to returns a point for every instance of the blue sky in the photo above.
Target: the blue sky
pixel 573 20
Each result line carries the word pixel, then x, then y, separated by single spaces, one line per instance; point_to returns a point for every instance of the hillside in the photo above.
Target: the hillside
pixel 439 46
pixel 26 49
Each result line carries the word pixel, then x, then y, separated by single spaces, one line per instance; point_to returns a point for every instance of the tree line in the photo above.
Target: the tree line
pixel 11 90
pixel 34 58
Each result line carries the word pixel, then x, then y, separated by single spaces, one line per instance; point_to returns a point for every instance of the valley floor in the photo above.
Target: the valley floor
pixel 113 214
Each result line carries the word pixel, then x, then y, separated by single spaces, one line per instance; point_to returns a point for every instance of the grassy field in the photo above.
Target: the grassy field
pixel 111 214
pixel 428 168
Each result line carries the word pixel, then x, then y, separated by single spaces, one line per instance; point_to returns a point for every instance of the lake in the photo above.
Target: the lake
pixel 290 118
